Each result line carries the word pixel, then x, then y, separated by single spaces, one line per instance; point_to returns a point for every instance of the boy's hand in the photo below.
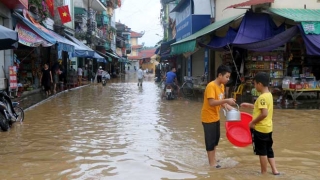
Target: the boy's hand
pixel 246 105
pixel 251 125
pixel 231 101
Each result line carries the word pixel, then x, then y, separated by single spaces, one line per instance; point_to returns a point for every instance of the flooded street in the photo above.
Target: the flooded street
pixel 122 132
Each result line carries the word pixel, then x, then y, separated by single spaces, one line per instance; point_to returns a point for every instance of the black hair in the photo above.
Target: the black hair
pixel 223 69
pixel 263 78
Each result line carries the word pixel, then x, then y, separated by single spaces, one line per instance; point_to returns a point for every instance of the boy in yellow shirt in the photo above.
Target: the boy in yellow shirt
pixel 261 124
pixel 210 113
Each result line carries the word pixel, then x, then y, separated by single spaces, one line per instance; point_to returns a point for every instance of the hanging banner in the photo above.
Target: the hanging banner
pixel 13 77
pixel 29 38
pixel 311 27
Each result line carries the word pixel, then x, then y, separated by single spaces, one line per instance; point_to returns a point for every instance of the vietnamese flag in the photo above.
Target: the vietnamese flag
pixel 64 14
pixel 50 6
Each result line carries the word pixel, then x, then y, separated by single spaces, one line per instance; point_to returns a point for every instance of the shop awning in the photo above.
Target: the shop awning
pixel 63 43
pixel 42 34
pixel 188 44
pixel 250 3
pixel 298 15
pixel 30 38
pixel 109 59
pixel 165 48
pixel 8 38
pixel 113 55
pixel 84 50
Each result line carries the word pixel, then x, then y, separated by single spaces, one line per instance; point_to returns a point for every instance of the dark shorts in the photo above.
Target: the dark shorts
pixel 211 135
pixel 262 143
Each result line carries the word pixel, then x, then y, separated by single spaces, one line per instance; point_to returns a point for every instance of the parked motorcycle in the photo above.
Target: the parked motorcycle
pixel 8 113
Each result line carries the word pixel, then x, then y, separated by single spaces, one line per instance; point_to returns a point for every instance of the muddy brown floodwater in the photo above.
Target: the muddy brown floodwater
pixel 123 132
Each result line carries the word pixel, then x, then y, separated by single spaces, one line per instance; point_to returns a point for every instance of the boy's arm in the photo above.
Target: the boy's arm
pixel 214 102
pixel 263 114
pixel 247 105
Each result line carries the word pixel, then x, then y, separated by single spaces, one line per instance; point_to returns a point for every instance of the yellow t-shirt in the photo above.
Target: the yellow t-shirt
pixel 211 113
pixel 264 101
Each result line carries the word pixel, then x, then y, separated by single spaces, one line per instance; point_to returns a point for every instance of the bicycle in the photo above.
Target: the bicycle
pixel 19 111
pixel 187 86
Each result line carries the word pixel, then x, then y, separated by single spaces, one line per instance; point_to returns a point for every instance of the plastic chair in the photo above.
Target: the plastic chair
pixel 238 92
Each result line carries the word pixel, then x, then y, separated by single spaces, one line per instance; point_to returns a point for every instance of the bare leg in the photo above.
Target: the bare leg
pixel 212 157
pixel 264 164
pixel 272 163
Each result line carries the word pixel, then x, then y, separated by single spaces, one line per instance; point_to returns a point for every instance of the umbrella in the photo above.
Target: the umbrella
pixel 8 38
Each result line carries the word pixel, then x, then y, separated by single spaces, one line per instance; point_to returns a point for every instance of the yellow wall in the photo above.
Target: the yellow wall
pixel 134 41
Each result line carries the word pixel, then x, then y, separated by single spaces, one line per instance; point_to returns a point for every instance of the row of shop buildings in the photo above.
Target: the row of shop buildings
pixel 91 39
pixel 280 37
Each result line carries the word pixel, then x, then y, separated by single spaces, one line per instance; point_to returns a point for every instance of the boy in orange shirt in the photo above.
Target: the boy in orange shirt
pixel 210 113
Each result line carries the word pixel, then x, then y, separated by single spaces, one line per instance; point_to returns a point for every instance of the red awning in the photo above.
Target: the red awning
pixel 250 3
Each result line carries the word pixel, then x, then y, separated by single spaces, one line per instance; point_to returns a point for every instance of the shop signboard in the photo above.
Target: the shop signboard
pixel 191 24
pixel 29 38
pixel 13 77
pixel 183 9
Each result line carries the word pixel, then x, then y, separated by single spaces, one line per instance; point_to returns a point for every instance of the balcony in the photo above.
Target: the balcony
pixel 107 45
pixel 120 44
pixel 128 48
pixel 80 15
pixel 102 19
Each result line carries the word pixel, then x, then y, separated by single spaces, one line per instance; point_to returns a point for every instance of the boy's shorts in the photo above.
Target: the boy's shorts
pixel 211 135
pixel 262 143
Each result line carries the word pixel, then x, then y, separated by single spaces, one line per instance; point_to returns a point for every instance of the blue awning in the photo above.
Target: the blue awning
pixel 63 44
pixel 83 50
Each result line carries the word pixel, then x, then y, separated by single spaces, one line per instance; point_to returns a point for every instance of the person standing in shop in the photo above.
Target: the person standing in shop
pixel 46 79
pixel 80 71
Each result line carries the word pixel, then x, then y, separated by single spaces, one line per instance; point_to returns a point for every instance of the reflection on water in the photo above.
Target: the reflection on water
pixel 122 131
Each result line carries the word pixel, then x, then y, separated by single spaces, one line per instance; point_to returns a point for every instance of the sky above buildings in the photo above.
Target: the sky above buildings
pixel 142 15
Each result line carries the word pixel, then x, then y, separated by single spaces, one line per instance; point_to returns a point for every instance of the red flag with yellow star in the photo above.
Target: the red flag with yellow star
pixel 50 6
pixel 64 14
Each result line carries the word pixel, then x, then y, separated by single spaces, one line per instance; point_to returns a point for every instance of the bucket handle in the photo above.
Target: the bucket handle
pixel 225 110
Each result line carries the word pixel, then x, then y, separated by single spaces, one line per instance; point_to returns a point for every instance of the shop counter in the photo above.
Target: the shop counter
pixel 295 93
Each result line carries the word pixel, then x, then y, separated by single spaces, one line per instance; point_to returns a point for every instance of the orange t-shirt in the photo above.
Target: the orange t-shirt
pixel 209 113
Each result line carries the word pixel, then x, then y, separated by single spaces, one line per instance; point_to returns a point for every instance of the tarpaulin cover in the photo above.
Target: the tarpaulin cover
pixel 273 42
pixel 312 42
pixel 219 43
pixel 256 27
